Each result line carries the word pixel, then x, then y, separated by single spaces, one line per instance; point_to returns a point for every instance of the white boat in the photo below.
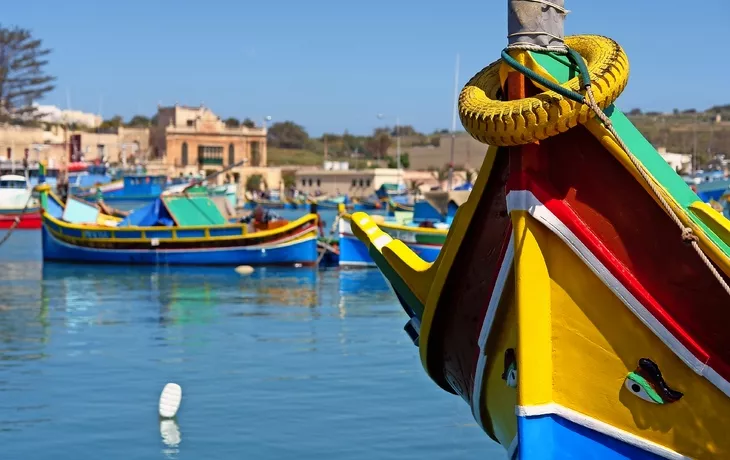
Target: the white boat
pixel 15 191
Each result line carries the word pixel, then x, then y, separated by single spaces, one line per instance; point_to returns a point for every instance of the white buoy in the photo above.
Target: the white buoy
pixel 170 400
pixel 244 270
pixel 297 265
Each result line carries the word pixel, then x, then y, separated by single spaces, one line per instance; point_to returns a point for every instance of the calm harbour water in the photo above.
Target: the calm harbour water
pixel 287 363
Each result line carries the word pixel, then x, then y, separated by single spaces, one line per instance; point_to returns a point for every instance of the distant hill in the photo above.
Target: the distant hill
pixel 706 132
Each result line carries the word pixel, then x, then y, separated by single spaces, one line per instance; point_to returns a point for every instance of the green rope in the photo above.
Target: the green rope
pixel 573 56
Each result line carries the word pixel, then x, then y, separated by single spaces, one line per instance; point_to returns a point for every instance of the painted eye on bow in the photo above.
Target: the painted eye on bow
pixel 510 368
pixel 637 385
pixel 647 383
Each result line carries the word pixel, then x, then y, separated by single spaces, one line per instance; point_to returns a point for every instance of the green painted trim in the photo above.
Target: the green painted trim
pixel 641 381
pixel 642 149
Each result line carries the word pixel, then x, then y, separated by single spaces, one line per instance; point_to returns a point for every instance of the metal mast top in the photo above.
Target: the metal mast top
pixel 536 25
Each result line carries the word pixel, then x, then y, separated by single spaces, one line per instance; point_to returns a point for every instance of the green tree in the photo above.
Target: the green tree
pixel 289 178
pixel 254 182
pixel 378 144
pixel 405 160
pixel 349 142
pixel 248 123
pixel 406 130
pixel 114 122
pixel 232 122
pixel 22 74
pixel 287 135
pixel 139 121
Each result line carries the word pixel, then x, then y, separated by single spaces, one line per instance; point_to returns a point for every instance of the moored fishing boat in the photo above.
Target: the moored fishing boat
pixel 325 202
pixel 423 230
pixel 18 209
pixel 184 229
pixel 138 188
pixel 575 324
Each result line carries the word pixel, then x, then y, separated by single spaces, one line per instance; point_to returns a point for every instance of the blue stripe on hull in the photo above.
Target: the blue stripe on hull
pixel 304 252
pixel 354 253
pixel 555 438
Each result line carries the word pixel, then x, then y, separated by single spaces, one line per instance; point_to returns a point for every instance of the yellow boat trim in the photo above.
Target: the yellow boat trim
pixel 398 227
pixel 311 233
pixel 245 234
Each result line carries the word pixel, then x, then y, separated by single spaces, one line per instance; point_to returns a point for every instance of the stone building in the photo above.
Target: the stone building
pixel 55 143
pixel 193 139
pixel 355 183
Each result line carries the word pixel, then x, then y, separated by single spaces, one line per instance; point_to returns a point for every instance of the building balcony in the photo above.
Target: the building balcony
pixel 208 161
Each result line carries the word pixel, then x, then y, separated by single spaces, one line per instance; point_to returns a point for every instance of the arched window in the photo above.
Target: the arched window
pixel 231 155
pixel 310 182
pixel 255 154
pixel 184 156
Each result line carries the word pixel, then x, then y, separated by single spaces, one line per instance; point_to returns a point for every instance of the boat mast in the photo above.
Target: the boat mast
pixel 453 124
pixel 531 25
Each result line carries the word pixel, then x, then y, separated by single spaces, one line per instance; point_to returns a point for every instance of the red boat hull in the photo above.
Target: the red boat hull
pixel 29 221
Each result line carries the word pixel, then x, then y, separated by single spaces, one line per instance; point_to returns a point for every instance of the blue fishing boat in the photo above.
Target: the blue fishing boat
pixel 140 188
pixel 325 202
pixel 174 229
pixel 272 200
pixel 424 230
pixel 708 185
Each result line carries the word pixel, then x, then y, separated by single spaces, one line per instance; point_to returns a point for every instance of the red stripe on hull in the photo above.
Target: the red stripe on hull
pixel 27 221
pixel 633 237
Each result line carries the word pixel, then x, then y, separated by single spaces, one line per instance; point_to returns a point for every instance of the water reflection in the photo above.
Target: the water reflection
pixel 24 327
pixel 171 437
pixel 353 295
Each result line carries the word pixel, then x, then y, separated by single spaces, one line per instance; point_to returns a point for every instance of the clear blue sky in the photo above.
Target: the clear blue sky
pixel 333 65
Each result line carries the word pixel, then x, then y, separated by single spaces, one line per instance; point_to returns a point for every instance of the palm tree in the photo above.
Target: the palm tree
pixel 414 187
pixel 441 175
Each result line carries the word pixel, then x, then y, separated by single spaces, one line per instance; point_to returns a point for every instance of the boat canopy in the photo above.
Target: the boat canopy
pixel 176 210
pixel 13 181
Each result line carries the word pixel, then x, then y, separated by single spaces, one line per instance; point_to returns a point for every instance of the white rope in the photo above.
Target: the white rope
pixel 558 49
pixel 688 235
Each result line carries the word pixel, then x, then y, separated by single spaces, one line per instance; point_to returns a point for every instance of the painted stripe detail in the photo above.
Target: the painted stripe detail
pixel 524 200
pixel 504 271
pixel 295 239
pixel 600 427
pixel 381 241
